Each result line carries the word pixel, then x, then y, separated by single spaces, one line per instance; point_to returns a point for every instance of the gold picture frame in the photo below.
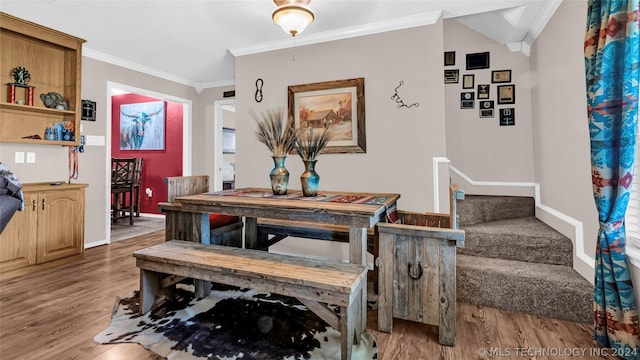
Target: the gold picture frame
pixel 501 76
pixel 337 104
pixel 507 94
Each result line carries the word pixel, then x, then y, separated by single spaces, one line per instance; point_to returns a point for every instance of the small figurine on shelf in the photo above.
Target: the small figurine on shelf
pixel 21 78
pixel 21 75
pixel 53 100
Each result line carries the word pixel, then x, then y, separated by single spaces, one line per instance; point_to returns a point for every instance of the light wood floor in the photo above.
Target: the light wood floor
pixel 55 314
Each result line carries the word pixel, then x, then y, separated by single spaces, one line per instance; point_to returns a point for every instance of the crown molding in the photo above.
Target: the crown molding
pixel 406 22
pixel 545 14
pixel 113 60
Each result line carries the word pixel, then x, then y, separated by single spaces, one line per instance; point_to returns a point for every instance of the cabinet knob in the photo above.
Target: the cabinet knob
pixel 33 205
pixel 42 204
pixel 420 271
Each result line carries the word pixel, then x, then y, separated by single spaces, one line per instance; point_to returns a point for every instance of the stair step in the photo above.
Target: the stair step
pixel 475 209
pixel 539 289
pixel 522 239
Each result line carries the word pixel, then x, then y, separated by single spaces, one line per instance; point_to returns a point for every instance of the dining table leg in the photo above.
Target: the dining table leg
pixel 201 233
pixel 250 233
pixel 358 255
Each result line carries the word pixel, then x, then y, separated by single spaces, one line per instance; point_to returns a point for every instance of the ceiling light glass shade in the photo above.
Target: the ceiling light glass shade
pixel 293 19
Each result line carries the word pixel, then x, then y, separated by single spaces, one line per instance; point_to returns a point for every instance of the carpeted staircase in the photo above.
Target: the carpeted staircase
pixel 515 262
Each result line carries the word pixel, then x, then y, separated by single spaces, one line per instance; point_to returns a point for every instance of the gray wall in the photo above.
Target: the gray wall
pixel 561 133
pixel 400 142
pixel 479 147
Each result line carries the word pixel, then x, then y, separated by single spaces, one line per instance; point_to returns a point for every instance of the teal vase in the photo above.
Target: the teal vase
pixel 309 178
pixel 279 176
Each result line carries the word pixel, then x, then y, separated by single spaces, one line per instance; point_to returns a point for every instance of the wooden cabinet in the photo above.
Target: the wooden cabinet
pixel 53 60
pixel 417 277
pixel 48 232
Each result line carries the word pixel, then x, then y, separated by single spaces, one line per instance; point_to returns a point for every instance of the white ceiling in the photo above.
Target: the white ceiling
pixel 194 42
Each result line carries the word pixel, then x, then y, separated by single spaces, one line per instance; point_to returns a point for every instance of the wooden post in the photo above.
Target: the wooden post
pixel 385 278
pixel 358 255
pixel 149 288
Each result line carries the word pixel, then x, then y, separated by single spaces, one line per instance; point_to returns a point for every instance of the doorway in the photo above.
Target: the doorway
pixel 119 89
pixel 224 127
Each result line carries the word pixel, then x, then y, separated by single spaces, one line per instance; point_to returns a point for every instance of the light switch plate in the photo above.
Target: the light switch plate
pixel 31 157
pixel 19 157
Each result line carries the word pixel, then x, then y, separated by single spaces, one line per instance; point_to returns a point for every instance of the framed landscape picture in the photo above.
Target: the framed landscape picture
pixel 338 105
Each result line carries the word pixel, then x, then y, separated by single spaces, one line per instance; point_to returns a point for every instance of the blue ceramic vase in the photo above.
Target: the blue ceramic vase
pixel 279 176
pixel 309 178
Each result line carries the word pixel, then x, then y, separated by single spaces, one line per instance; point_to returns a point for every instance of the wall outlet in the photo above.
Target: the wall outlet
pixel 19 157
pixel 31 157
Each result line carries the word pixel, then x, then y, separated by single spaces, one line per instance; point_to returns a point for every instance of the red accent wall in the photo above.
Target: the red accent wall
pixel 158 164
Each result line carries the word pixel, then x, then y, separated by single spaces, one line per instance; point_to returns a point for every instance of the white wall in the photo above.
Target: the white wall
pixel 479 147
pixel 400 142
pixel 561 133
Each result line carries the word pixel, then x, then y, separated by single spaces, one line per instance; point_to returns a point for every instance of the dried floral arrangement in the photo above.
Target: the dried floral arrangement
pixel 309 143
pixel 280 138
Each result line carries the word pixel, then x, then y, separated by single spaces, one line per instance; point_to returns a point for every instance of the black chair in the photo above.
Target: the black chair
pixel 137 177
pixel 122 188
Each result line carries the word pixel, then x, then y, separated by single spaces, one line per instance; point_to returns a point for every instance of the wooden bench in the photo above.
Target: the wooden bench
pixel 312 281
pixel 271 231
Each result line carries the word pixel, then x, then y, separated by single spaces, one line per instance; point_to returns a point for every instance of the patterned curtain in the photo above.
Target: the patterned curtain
pixel 612 66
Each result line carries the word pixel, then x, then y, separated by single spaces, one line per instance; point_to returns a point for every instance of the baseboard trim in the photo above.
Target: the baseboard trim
pixel 95 243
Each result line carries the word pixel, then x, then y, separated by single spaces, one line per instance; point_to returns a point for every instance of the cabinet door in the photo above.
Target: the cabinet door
pixel 416 272
pixel 60 224
pixel 18 240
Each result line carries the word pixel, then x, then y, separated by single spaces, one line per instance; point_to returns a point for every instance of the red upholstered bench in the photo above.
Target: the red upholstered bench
pixel 217 220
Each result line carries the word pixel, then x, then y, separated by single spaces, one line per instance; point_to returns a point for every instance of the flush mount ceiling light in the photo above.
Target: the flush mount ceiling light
pixel 292 16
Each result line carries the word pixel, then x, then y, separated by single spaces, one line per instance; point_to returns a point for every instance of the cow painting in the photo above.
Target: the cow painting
pixel 142 126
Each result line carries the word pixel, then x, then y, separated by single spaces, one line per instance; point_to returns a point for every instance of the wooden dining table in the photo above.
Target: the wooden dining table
pixel 358 211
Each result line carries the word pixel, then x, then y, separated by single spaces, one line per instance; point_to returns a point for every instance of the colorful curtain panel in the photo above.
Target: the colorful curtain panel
pixel 612 66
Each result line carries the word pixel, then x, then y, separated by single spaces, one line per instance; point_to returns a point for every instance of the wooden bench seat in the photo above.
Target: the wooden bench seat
pixel 281 229
pixel 312 281
pixel 310 230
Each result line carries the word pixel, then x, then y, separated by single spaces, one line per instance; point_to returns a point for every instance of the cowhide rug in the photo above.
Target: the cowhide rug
pixel 229 324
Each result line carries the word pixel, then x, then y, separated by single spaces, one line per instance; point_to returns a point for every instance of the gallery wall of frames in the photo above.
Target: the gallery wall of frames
pixel 494 99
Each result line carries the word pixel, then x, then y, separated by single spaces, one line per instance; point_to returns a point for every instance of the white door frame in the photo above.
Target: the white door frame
pixel 114 88
pixel 218 123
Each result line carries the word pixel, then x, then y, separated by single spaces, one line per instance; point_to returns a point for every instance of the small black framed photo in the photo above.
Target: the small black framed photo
pixel 507 117
pixel 88 110
pixel 451 76
pixel 501 76
pixel 467 96
pixel 478 61
pixel 449 58
pixel 468 81
pixel 486 104
pixel 467 104
pixel 507 94
pixel 486 113
pixel 483 91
